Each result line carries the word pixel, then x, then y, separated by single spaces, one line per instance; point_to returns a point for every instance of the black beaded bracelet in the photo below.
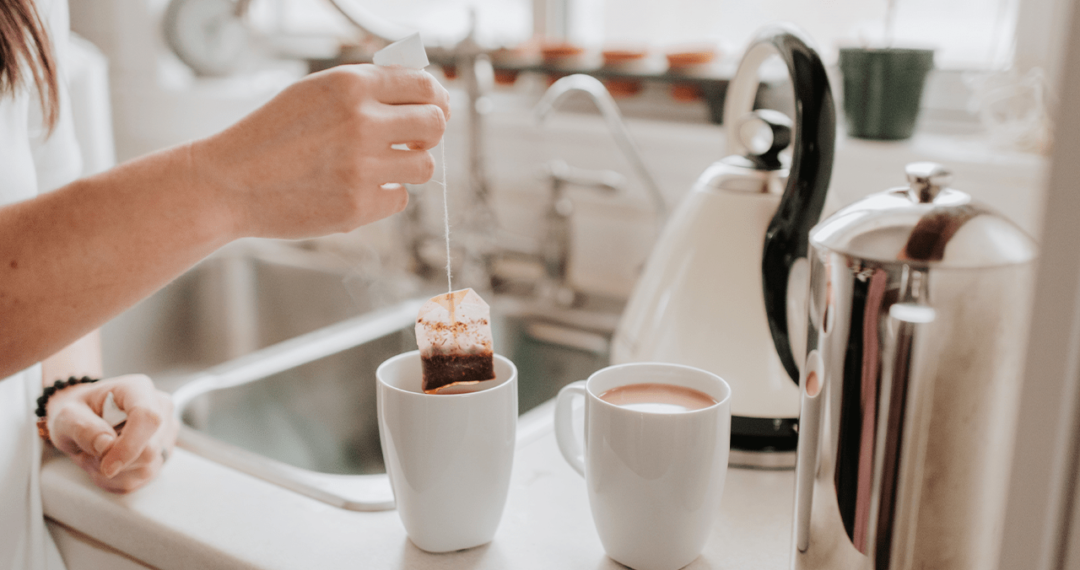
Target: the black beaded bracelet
pixel 43 430
pixel 56 387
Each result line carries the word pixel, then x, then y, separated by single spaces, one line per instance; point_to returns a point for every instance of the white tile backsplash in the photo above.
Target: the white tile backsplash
pixel 614 233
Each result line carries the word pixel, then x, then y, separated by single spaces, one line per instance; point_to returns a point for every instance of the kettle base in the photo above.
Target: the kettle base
pixel 768 460
pixel 763 443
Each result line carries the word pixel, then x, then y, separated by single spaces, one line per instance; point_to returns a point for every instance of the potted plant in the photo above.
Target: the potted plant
pixel 883 85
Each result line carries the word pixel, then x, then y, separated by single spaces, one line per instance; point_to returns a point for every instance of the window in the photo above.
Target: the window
pixel 440 22
pixel 968 34
pixel 499 22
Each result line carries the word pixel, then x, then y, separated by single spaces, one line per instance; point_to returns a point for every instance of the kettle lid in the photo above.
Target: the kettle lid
pixel 763 135
pixel 926 223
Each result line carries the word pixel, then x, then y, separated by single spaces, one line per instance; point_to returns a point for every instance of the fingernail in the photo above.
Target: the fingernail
pixel 102 443
pixel 113 469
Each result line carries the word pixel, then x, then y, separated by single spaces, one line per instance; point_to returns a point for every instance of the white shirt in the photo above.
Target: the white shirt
pixel 30 163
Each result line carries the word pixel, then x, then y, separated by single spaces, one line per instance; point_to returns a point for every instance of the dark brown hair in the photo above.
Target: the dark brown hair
pixel 24 47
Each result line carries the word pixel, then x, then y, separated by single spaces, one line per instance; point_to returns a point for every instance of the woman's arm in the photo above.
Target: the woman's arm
pixel 81 358
pixel 310 162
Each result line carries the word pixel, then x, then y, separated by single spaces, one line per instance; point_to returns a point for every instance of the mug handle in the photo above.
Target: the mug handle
pixel 571 449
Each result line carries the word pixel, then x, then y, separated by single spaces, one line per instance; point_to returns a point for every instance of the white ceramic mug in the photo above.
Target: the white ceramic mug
pixel 654 479
pixel 448 455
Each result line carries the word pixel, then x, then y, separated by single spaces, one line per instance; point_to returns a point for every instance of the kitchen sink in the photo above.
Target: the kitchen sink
pixel 273 366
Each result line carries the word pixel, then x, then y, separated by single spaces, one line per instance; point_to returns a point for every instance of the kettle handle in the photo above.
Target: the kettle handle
pixel 788 234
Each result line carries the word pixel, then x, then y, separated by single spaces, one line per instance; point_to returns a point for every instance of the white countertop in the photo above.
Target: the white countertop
pixel 199 514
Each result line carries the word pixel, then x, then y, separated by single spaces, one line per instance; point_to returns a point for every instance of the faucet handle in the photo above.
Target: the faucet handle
pixel 561 173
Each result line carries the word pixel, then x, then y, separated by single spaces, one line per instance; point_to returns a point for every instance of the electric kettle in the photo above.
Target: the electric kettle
pixel 701 298
pixel 918 310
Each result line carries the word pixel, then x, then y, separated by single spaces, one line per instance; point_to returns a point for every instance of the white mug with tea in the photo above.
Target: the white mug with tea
pixel 448 455
pixel 654 458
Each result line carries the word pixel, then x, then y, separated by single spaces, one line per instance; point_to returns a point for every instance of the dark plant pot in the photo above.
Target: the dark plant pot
pixel 883 89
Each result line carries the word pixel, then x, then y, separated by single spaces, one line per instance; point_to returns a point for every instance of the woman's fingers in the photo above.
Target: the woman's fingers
pixel 132 479
pixel 136 396
pixel 134 475
pixel 377 202
pixel 420 127
pixel 404 166
pixel 75 428
pixel 124 482
pixel 131 444
pixel 400 86
pixel 88 463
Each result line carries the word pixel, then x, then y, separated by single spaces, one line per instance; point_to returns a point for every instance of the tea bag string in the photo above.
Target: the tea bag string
pixel 446 226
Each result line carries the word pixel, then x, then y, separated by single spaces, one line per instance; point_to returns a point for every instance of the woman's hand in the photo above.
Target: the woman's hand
pixel 314 159
pixel 118 462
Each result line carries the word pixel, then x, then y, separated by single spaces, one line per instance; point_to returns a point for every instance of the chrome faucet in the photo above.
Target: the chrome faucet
pixel 478 76
pixel 596 91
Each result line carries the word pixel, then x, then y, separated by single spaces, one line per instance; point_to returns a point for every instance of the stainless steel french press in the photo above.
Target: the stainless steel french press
pixel 918 310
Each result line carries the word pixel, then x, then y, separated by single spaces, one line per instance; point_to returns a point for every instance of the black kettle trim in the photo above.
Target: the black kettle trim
pixel 788 235
pixel 764 434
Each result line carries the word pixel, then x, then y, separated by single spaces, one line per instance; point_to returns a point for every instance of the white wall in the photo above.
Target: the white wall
pixel 1044 475
pixel 156 101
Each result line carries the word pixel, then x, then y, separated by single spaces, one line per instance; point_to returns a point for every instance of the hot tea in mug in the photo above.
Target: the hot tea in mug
pixel 658 398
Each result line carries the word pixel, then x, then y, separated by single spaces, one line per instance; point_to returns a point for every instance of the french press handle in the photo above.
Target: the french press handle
pixel 788 234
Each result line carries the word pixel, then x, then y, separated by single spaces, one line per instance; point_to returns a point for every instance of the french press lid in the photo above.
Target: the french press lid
pixel 925 224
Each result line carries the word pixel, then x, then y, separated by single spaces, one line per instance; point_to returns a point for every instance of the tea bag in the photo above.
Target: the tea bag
pixel 453 332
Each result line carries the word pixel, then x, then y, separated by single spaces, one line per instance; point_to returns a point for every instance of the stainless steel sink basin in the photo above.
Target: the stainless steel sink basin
pixel 301 412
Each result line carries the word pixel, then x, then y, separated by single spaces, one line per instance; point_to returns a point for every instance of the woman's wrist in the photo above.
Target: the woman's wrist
pixel 51 395
pixel 216 190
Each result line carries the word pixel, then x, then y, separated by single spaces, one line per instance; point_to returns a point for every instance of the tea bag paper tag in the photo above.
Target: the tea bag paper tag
pixel 111 413
pixel 409 53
